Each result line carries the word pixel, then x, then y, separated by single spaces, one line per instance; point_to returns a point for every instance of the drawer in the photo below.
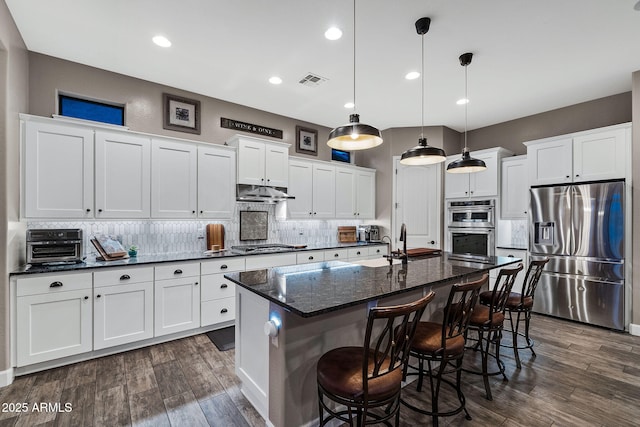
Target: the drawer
pixel 217 311
pixel 44 284
pixel 176 270
pixel 336 254
pixel 215 286
pixel 376 251
pixel 361 252
pixel 121 276
pixel 309 256
pixel 268 261
pixel 226 265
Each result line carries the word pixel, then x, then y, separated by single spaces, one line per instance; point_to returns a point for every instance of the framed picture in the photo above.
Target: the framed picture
pixel 181 114
pixel 306 141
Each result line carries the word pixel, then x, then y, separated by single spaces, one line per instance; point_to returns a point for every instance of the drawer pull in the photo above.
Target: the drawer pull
pixel 336 255
pixel 223 286
pixel 224 310
pixel 178 271
pixel 125 277
pixel 223 267
pixel 358 253
pixel 310 258
pixel 56 285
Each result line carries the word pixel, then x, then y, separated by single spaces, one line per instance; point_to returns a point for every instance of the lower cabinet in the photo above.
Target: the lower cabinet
pixel 512 253
pixel 218 300
pixel 177 300
pixel 54 317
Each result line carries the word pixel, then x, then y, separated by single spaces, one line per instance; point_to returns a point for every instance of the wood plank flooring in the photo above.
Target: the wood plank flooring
pixel 582 376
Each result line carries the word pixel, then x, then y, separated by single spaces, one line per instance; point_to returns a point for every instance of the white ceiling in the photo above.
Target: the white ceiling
pixel 529 56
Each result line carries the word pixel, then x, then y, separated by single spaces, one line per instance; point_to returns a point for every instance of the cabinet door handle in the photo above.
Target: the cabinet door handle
pixel 466 192
pixel 99 210
pixel 224 310
pixel 193 212
pixel 377 251
pixel 178 271
pixel 577 175
pixel 125 277
pixel 86 297
pixel 433 242
pixel 55 285
pixel 510 256
pixel 568 176
pixel 201 212
pixel 196 284
pixel 223 267
pixel 261 179
pixel 88 210
pixel 310 258
pixel 315 213
pixel 98 296
pixel 224 286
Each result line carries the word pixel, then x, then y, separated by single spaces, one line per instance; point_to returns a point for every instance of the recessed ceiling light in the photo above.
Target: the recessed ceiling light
pixel 349 105
pixel 275 80
pixel 462 101
pixel 412 75
pixel 333 33
pixel 161 41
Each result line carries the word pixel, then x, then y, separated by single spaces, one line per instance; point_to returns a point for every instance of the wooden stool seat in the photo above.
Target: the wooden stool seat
pixel 514 301
pixel 481 316
pixel 428 340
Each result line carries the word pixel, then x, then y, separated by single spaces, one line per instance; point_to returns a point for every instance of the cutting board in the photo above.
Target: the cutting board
pixel 422 252
pixel 215 235
pixel 347 234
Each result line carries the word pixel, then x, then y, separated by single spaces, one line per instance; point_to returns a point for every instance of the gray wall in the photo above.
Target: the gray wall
pixel 13 99
pixel 635 308
pixel 143 103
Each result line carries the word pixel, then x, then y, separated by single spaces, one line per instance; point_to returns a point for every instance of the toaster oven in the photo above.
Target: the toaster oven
pixel 54 246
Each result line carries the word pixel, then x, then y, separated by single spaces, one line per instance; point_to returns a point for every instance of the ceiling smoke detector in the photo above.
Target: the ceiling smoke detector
pixel 312 80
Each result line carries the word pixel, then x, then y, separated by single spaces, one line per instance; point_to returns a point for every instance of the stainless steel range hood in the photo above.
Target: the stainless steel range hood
pixel 255 193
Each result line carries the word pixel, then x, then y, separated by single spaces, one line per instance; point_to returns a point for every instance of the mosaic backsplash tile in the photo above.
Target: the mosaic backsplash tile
pixel 188 236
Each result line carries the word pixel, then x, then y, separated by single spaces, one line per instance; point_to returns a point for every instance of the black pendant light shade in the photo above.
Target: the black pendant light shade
pixel 466 164
pixel 422 154
pixel 354 136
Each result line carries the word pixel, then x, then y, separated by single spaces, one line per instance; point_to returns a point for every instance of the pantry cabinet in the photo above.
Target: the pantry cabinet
pixel 174 179
pixel 122 175
pixel 58 171
pixel 593 155
pixel 216 182
pixel 514 194
pixel 53 317
pixel 478 184
pixel 355 193
pixel 261 162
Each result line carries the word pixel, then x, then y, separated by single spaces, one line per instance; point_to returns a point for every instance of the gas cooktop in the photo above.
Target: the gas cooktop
pixel 262 248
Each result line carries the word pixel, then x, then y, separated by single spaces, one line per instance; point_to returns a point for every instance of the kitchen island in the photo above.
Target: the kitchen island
pixel 313 308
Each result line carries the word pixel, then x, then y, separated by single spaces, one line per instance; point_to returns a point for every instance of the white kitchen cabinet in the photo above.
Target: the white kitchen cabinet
pixel 270 260
pixel 512 253
pixel 122 306
pixel 593 155
pixel 122 175
pixel 53 317
pixel 478 184
pixel 261 162
pixel 307 257
pixel 355 193
pixel 173 179
pixel 216 182
pixel 336 254
pixel 514 194
pixel 177 299
pixel 58 170
pixel 313 186
pixel 218 296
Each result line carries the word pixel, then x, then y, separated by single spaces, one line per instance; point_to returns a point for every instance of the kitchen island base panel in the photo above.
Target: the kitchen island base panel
pixel 291 398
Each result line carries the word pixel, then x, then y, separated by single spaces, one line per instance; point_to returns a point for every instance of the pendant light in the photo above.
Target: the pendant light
pixel 466 164
pixel 354 135
pixel 422 154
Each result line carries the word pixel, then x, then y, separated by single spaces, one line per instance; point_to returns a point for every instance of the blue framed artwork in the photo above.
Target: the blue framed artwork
pixel 70 106
pixel 340 155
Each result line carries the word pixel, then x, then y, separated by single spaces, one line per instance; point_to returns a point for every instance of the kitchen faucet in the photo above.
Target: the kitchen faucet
pixel 403 238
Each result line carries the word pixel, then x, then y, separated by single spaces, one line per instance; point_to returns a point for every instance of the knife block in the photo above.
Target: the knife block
pixel 215 235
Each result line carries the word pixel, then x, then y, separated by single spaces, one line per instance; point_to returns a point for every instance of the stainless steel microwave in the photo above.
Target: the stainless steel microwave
pixel 54 246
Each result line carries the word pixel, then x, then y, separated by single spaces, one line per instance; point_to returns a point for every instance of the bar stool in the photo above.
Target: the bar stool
pixel 487 321
pixel 363 378
pixel 521 304
pixel 443 344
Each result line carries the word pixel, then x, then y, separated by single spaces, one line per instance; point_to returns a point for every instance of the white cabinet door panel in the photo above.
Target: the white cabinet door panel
pixel 551 162
pixel 251 164
pixel 300 187
pixel 177 305
pixel 216 182
pixel 456 185
pixel 276 165
pixel 324 200
pixel 174 179
pixel 346 204
pixel 366 194
pixel 514 196
pixel 485 183
pixel 599 156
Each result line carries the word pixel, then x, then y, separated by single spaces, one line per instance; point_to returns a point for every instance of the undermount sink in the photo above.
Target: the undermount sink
pixel 376 262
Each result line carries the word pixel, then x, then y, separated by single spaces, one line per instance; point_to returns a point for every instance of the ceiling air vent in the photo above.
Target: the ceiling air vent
pixel 312 80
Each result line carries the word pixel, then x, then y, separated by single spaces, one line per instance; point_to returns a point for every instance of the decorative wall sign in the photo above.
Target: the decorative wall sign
pixel 248 127
pixel 306 141
pixel 181 114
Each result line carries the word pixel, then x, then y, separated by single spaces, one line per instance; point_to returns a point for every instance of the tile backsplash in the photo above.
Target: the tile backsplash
pixel 513 233
pixel 188 236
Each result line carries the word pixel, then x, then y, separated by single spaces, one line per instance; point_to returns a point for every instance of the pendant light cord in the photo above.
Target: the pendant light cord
pixel 422 130
pixel 466 106
pixel 354 56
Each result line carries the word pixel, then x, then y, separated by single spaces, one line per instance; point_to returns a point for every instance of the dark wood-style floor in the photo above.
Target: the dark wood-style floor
pixel 582 376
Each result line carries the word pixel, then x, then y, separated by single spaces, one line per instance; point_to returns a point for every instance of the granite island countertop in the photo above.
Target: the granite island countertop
pixel 313 289
pixel 91 263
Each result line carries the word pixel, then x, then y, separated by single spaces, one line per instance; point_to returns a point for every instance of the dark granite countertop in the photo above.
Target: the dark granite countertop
pixel 313 289
pixel 160 258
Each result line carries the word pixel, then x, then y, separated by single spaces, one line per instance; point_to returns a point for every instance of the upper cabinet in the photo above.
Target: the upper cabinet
pixel 355 193
pixel 312 183
pixel 261 162
pixel 216 181
pixel 58 170
pixel 479 184
pixel 514 194
pixel 592 155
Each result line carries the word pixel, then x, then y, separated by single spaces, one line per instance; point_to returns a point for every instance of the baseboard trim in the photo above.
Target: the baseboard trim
pixel 6 377
pixel 634 329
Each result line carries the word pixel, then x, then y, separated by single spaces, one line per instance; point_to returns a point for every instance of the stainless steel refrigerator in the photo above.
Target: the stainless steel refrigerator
pixel 581 229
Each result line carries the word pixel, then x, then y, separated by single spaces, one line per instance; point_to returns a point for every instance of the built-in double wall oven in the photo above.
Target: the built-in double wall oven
pixel 471 229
